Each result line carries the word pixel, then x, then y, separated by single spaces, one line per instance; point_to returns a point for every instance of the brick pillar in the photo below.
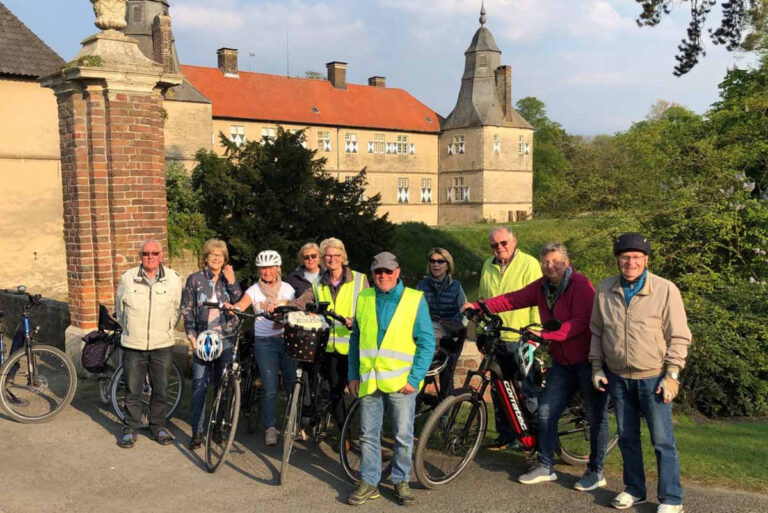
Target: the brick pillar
pixel 113 165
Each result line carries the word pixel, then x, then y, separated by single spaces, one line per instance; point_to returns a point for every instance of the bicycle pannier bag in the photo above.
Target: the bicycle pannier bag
pixel 94 357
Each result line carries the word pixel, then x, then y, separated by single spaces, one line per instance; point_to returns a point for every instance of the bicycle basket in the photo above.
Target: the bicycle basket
pixel 94 355
pixel 305 336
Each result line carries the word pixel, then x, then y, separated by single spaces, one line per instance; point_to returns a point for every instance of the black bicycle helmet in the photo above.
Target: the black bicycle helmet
pixel 631 241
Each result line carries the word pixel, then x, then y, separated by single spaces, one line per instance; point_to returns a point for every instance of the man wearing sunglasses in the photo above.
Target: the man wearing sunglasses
pixel 147 304
pixel 390 349
pixel 508 270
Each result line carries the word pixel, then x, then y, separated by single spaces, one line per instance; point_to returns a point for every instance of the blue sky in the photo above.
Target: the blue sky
pixel 587 60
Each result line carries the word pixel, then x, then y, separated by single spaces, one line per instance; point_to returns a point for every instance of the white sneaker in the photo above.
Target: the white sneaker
pixel 538 474
pixel 271 436
pixel 625 500
pixel 670 508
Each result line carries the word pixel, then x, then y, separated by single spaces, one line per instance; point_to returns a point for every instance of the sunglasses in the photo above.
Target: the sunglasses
pixel 495 245
pixel 310 257
pixel 438 261
pixel 383 271
pixel 146 254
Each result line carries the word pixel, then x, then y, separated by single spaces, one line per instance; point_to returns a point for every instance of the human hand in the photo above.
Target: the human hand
pixel 192 339
pixel 599 380
pixel 350 321
pixel 467 306
pixel 229 273
pixel 407 389
pixel 354 387
pixel 668 388
pixel 228 307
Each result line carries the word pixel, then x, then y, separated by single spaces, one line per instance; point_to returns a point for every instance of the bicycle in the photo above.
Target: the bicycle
pixel 429 397
pixel 306 336
pixel 37 382
pixel 453 433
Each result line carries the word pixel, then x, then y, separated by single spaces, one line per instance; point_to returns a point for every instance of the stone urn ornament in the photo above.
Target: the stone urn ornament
pixel 110 14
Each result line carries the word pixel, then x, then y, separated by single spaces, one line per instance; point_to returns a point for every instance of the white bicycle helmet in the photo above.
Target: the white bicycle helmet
pixel 524 355
pixel 268 258
pixel 209 346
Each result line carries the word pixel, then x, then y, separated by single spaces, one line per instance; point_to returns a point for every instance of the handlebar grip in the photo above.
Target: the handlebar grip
pixel 485 308
pixel 337 317
pixel 211 304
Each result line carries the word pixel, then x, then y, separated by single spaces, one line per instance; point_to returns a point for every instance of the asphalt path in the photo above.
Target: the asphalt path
pixel 73 464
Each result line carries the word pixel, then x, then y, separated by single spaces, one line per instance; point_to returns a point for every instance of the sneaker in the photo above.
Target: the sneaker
pixel 626 500
pixel 670 508
pixel 363 492
pixel 127 439
pixel 403 493
pixel 196 441
pixel 271 436
pixel 163 436
pixel 591 480
pixel 538 474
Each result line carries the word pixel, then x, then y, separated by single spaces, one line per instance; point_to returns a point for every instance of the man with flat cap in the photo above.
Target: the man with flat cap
pixel 390 349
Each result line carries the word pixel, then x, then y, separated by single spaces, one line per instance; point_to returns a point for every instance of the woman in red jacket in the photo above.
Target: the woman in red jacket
pixel 565 295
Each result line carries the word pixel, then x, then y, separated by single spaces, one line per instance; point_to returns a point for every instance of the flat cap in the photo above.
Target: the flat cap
pixel 385 260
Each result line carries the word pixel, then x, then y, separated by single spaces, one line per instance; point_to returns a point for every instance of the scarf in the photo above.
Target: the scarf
pixel 270 291
pixel 552 292
pixel 633 287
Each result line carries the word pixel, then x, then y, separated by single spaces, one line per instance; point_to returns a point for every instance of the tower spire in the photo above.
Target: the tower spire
pixel 483 18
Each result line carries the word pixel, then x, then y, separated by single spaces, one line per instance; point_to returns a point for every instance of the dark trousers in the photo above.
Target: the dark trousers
pixel 336 372
pixel 137 364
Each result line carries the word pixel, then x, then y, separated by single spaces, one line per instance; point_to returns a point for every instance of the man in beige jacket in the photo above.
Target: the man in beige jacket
pixel 148 299
pixel 640 340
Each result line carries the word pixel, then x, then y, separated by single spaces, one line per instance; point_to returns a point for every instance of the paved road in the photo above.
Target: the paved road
pixel 74 465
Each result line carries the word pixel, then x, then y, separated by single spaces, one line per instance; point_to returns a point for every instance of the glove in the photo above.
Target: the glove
pixel 668 388
pixel 599 380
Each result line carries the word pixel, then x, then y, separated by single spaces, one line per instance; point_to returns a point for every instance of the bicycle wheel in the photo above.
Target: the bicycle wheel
pixel 104 395
pixel 253 405
pixel 42 395
pixel 349 444
pixel 222 423
pixel 450 439
pixel 117 394
pixel 573 437
pixel 290 427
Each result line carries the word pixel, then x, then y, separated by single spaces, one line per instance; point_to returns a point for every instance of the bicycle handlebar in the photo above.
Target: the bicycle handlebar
pixel 495 324
pixel 236 311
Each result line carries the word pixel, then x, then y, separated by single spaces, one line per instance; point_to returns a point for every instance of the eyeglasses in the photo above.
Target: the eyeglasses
pixel 147 254
pixel 495 245
pixel 331 257
pixel 438 261
pixel 310 257
pixel 215 255
pixel 383 271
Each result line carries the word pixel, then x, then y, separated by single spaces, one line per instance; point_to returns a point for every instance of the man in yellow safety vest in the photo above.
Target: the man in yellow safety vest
pixel 390 349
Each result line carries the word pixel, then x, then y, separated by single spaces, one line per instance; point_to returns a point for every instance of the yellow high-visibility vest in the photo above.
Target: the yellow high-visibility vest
pixel 345 304
pixel 386 368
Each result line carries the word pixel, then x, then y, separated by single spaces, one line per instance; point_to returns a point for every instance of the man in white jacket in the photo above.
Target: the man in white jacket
pixel 148 299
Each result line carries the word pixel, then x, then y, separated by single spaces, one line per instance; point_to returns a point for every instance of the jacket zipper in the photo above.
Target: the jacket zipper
pixel 149 314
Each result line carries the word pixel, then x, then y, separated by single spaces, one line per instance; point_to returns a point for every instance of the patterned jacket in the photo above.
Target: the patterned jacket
pixel 199 289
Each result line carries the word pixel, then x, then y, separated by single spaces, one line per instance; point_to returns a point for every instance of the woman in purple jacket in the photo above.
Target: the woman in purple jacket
pixel 565 295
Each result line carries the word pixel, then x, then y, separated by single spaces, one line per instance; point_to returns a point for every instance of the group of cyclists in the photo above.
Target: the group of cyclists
pixel 628 341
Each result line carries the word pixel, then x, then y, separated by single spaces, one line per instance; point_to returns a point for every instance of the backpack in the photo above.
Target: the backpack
pixel 94 356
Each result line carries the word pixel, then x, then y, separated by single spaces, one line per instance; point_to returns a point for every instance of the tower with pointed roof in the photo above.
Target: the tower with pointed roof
pixel 486 147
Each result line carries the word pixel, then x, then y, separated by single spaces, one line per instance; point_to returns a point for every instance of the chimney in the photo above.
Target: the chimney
pixel 377 81
pixel 504 89
pixel 162 43
pixel 228 61
pixel 337 74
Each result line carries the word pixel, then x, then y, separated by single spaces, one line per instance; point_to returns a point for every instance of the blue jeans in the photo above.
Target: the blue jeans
pixel 562 382
pixel 270 357
pixel 402 409
pixel 631 397
pixel 202 372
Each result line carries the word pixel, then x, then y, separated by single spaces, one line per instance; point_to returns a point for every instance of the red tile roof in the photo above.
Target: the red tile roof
pixel 263 97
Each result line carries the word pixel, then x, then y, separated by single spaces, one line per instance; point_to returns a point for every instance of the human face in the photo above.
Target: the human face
pixel 311 259
pixel 385 279
pixel 269 274
pixel 438 266
pixel 554 265
pixel 215 260
pixel 151 256
pixel 632 264
pixel 503 245
pixel 333 258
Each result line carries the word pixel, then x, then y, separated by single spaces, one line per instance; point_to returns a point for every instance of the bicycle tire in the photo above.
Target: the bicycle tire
pixel 117 394
pixel 349 445
pixel 253 407
pixel 222 424
pixel 53 390
pixel 444 452
pixel 573 437
pixel 290 428
pixel 104 390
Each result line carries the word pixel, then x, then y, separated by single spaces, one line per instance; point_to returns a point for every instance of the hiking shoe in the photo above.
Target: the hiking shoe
pixel 626 500
pixel 670 508
pixel 127 439
pixel 403 493
pixel 591 480
pixel 271 436
pixel 538 474
pixel 363 492
pixel 196 441
pixel 163 436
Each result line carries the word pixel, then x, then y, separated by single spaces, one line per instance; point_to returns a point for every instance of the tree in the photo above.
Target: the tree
pixel 186 223
pixel 314 75
pixel 742 26
pixel 274 194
